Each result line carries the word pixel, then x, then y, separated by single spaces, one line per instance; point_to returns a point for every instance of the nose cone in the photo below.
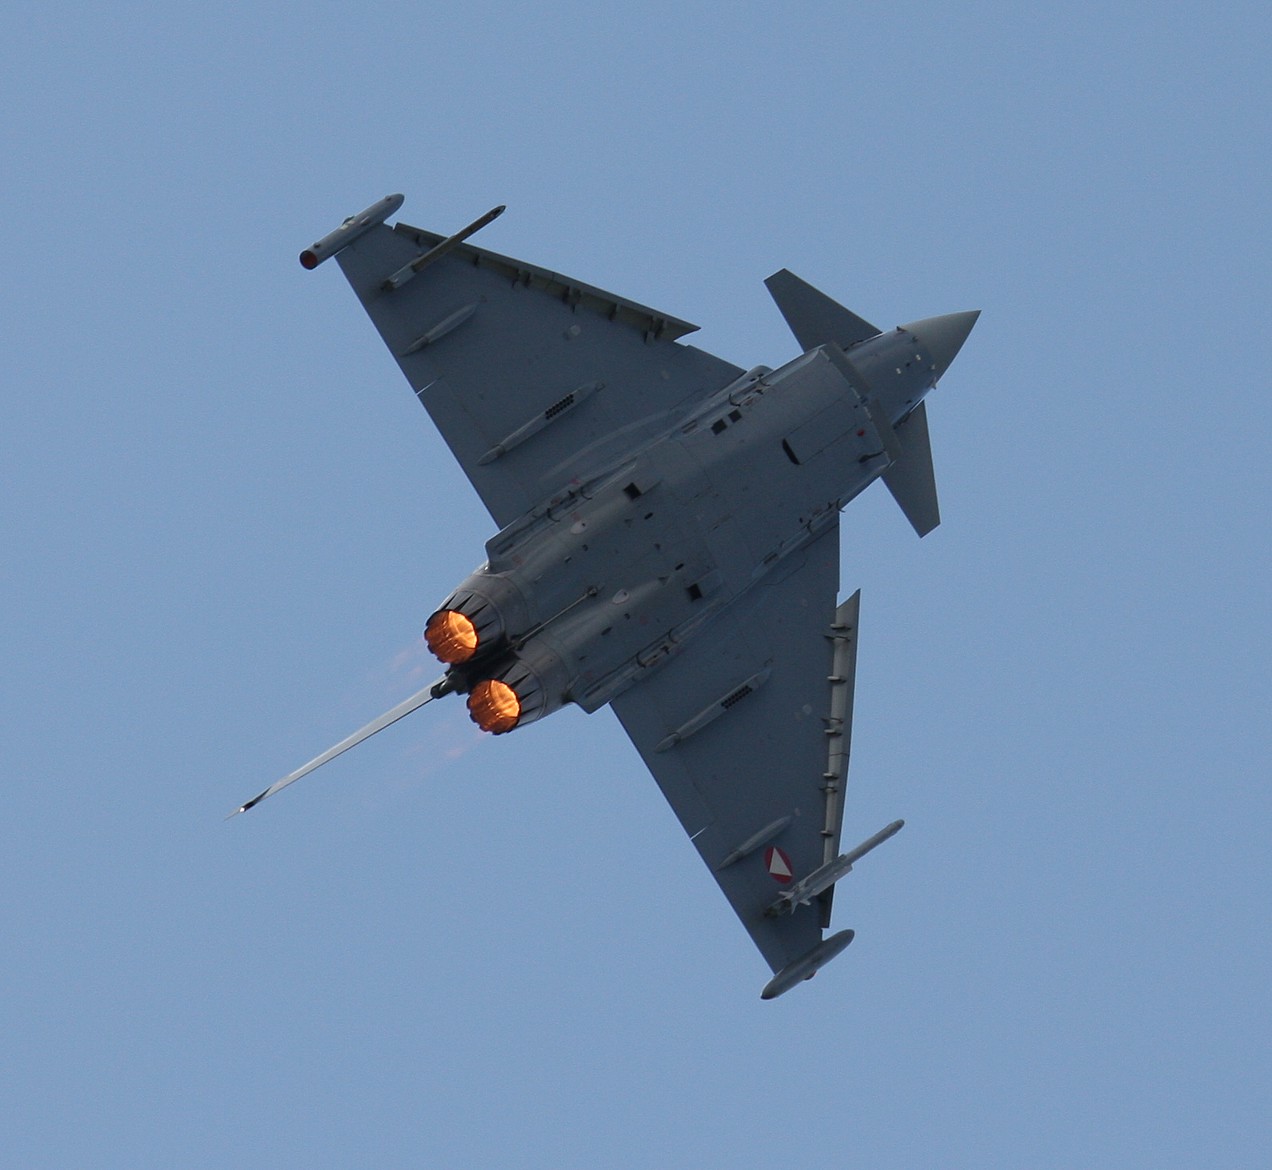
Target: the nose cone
pixel 940 338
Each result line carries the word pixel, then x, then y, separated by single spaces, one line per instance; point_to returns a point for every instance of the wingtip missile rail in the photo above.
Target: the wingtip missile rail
pixel 806 966
pixel 350 230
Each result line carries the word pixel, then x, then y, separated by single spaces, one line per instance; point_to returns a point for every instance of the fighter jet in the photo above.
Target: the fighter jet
pixel 668 539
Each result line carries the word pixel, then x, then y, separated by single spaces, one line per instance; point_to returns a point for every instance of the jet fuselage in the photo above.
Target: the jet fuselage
pixel 583 595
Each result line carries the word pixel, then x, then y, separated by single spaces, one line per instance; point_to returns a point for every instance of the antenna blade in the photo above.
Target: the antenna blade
pixel 391 716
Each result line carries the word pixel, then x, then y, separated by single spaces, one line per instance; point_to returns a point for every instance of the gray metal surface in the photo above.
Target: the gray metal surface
pixel 764 759
pixel 911 479
pixel 527 340
pixel 813 317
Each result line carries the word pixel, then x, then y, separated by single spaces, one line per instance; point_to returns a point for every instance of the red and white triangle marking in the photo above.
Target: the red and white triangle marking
pixel 778 865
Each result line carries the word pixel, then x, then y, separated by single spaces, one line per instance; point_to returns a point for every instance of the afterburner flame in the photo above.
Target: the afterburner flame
pixel 451 636
pixel 494 706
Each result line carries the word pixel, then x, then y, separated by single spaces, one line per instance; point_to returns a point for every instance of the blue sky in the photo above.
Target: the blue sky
pixel 226 520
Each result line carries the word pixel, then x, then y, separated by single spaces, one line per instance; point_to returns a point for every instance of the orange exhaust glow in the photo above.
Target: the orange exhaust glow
pixel 494 706
pixel 451 636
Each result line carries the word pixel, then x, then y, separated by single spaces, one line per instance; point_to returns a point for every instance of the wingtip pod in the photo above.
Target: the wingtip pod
pixel 350 230
pixel 807 965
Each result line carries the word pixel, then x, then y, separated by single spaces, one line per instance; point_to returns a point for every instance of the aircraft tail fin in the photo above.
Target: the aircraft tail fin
pixel 911 479
pixel 813 317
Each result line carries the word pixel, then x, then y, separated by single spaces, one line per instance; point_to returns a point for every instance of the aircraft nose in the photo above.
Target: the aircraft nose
pixel 942 337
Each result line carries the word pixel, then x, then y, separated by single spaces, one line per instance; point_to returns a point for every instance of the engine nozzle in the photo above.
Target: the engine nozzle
pixel 451 636
pixel 494 706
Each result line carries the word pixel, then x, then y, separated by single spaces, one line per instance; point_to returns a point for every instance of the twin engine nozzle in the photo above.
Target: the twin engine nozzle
pixel 454 639
pixel 507 686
